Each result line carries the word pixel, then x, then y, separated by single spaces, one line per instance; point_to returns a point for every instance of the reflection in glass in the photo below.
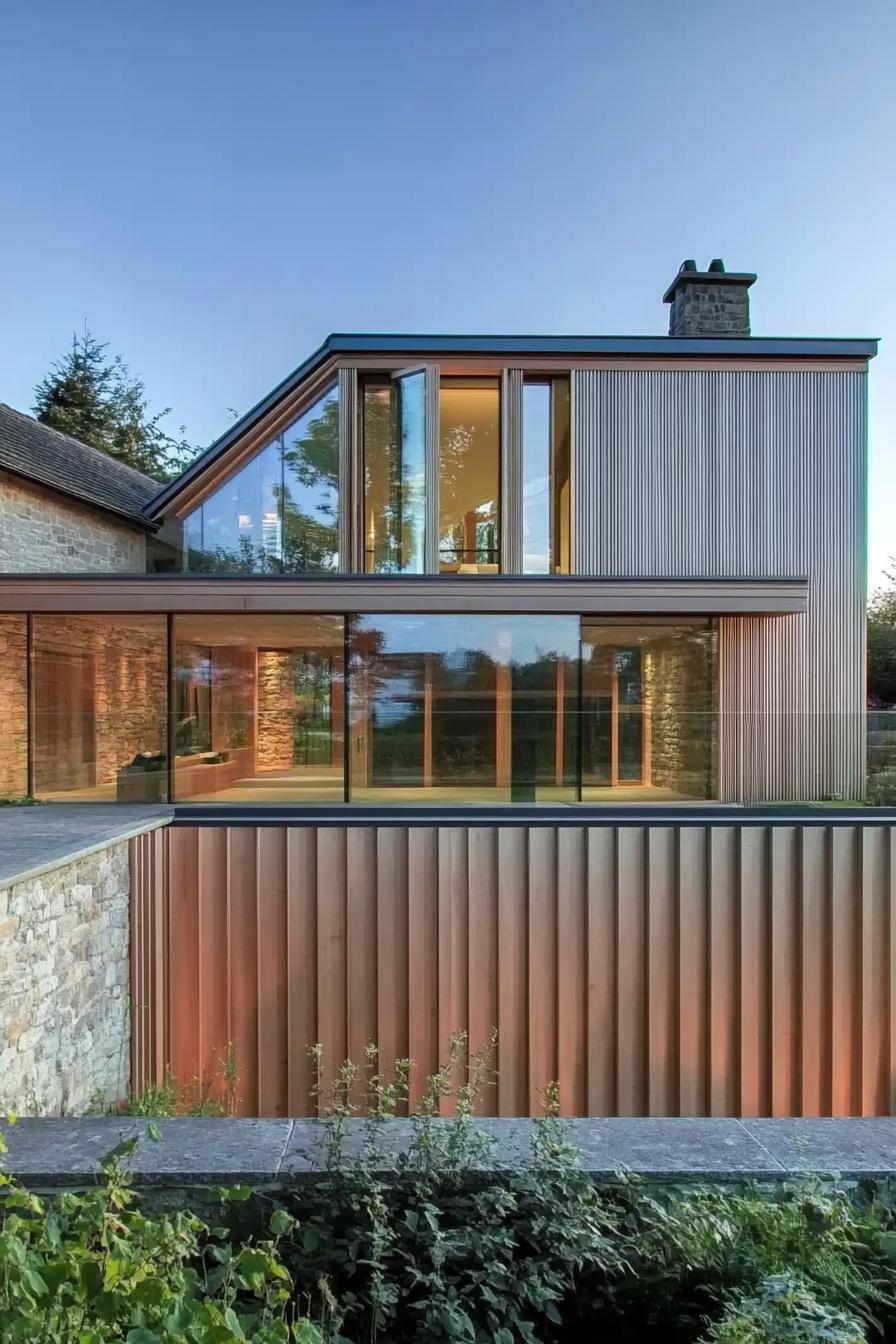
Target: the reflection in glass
pixel 394 474
pixel 279 513
pixel 13 706
pixel 469 474
pixel 259 709
pixel 466 708
pixel 99 693
pixel 648 710
pixel 545 476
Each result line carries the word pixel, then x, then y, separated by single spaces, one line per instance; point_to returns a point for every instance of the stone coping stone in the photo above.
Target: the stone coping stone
pixel 212 1150
pixel 39 838
pixel 56 1152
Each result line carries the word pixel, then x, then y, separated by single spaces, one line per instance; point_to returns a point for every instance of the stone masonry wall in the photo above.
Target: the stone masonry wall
pixel 13 706
pixel 41 532
pixel 64 1010
pixel 276 710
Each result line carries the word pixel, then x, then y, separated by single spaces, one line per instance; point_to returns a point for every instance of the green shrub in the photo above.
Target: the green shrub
pixel 90 1268
pixel 427 1246
pixel 693 1251
pixel 784 1311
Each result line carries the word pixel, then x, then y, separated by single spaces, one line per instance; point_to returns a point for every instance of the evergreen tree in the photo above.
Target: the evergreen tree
pixel 95 399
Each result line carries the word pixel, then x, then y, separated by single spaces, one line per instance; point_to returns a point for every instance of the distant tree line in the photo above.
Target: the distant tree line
pixel 882 642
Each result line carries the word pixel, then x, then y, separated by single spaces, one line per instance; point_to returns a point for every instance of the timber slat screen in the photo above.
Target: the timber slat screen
pixel 650 970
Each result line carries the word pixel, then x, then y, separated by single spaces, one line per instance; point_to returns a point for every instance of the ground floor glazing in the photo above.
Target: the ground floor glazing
pixel 442 709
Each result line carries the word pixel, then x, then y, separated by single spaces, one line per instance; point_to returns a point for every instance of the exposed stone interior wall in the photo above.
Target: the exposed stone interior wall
pixel 64 1019
pixel 680 694
pixel 42 532
pixel 13 706
pixel 276 709
pixel 130 681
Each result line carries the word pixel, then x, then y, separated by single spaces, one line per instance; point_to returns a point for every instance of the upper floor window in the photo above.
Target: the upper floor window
pixel 545 476
pixel 469 475
pixel 279 514
pixel 406 462
pixel 394 413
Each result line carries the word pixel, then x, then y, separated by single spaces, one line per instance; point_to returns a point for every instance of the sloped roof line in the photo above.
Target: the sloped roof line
pixel 36 452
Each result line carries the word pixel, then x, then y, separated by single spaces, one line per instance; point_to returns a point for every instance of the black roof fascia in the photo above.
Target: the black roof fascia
pixel 757 347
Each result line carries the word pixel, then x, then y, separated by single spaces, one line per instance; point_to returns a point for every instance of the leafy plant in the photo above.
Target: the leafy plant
pixel 90 1268
pixel 428 1245
pixel 784 1311
pixel 174 1097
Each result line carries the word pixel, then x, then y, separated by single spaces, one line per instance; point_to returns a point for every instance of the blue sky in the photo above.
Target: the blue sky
pixel 215 186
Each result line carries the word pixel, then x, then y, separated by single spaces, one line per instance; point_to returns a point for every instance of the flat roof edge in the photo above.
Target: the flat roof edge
pixel 758 347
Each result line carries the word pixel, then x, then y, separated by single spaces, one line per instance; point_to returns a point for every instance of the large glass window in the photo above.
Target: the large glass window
pixel 648 710
pixel 466 708
pixel 395 474
pixel 13 706
pixel 279 513
pixel 442 708
pixel 545 476
pixel 469 475
pixel 259 704
pixel 99 696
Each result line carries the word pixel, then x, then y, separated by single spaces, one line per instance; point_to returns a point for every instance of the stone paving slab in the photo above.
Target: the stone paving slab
pixel 658 1148
pixel 854 1148
pixel 216 1150
pixel 199 1151
pixel 35 839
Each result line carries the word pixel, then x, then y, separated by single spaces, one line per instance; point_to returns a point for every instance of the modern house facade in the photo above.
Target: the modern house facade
pixel 462 661
pixel 460 571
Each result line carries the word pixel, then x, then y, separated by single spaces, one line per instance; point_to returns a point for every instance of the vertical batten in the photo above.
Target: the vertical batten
pixel 511 514
pixel 351 551
pixel 695 970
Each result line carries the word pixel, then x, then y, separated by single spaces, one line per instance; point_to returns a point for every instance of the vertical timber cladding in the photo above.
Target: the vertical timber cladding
pixel 740 472
pixel 650 970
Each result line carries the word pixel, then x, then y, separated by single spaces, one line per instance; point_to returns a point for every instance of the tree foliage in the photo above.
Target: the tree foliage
pixel 882 642
pixel 94 397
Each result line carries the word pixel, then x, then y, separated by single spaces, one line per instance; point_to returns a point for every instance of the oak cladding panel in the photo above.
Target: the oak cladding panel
pixel 741 472
pixel 668 969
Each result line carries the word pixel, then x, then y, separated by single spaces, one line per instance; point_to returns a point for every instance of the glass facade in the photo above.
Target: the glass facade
pixel 649 710
pixel 469 475
pixel 279 513
pixel 258 705
pixel 545 476
pixel 464 708
pixel 99 700
pixel 394 418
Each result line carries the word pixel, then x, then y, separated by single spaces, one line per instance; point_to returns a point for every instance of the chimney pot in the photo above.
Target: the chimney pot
pixel 717 264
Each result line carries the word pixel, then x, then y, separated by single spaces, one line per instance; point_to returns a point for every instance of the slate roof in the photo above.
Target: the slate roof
pixel 38 453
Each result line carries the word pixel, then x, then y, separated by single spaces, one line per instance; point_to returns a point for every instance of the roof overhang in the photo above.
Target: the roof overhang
pixel 410 594
pixel 138 521
pixel 342 345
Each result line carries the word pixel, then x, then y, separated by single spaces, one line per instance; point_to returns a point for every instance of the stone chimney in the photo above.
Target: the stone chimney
pixel 709 303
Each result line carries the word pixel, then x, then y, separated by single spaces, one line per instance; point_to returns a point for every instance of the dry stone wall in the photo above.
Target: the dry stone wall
pixel 64 1007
